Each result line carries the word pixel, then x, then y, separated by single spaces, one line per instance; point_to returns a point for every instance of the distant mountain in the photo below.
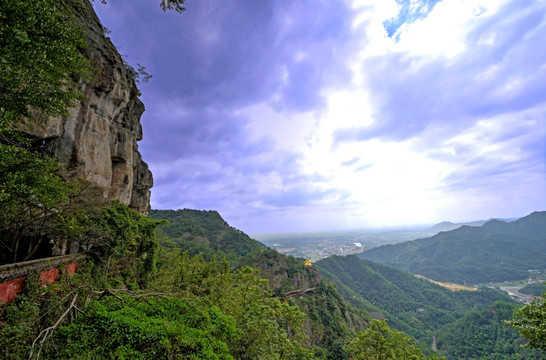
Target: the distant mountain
pixel 448 226
pixel 416 306
pixel 496 251
pixel 319 245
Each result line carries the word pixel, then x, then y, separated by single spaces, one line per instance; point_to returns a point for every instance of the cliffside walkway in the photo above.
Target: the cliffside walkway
pixel 12 271
pixel 299 292
pixel 12 276
pixel 305 290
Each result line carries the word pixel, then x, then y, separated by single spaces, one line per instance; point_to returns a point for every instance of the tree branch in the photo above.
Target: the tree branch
pixel 47 333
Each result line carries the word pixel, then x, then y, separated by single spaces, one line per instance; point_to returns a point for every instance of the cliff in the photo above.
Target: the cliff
pixel 98 141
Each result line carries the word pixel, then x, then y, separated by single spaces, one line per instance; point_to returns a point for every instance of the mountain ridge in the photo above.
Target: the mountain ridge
pixel 495 251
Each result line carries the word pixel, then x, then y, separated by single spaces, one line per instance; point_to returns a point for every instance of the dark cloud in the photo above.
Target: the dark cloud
pixel 219 58
pixel 175 133
pixel 237 53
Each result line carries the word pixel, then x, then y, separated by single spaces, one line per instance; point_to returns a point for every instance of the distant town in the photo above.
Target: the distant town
pixel 319 245
pixel 322 249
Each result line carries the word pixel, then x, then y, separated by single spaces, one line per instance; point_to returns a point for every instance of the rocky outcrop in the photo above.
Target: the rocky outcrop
pixel 98 141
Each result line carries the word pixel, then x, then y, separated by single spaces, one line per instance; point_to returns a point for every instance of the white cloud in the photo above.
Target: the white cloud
pixel 445 171
pixel 316 119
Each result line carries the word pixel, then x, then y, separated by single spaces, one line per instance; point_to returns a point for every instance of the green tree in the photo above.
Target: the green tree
pixel 40 60
pixel 530 320
pixel 149 327
pixel 30 191
pixel 379 342
pixel 267 328
pixel 121 241
pixel 40 66
pixel 483 335
pixel 176 5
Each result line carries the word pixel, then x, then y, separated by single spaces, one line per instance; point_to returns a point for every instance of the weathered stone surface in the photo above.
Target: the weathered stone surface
pixel 98 141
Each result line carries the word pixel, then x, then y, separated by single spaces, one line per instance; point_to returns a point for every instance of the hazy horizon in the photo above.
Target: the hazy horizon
pixel 386 229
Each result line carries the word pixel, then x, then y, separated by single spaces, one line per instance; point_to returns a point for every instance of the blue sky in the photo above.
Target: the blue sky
pixel 317 115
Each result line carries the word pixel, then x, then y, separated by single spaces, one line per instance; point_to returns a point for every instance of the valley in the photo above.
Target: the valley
pixel 420 306
pixel 513 288
pixel 460 275
pixel 320 245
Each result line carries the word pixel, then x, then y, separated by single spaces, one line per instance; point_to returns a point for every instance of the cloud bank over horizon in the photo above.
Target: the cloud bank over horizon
pixel 321 115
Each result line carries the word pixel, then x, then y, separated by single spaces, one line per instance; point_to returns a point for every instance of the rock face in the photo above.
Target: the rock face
pixel 98 141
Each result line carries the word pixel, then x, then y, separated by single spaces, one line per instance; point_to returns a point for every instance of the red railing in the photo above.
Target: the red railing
pixel 13 276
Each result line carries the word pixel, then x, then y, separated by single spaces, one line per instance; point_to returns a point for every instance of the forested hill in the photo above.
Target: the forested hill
pixel 206 231
pixel 413 305
pixel 496 251
pixel 330 319
pixel 483 335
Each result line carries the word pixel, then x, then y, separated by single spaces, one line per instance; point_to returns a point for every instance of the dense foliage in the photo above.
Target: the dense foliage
pixel 190 308
pixel 199 309
pixel 31 192
pixel 495 252
pixel 413 305
pixel 202 231
pixel 483 335
pixel 122 250
pixel 123 242
pixel 329 319
pixel 535 289
pixel 530 320
pixel 380 342
pixel 40 61
pixel 145 328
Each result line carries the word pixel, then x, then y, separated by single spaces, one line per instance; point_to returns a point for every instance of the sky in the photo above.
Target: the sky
pixel 315 115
